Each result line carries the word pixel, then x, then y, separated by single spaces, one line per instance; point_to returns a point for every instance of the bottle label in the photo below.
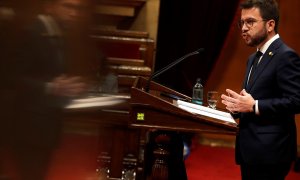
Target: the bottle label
pixel 200 102
pixel 197 96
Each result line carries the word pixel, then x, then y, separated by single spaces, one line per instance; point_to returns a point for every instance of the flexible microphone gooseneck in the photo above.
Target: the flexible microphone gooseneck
pixel 157 73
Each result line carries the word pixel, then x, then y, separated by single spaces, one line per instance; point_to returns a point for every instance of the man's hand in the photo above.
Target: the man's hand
pixel 235 102
pixel 68 86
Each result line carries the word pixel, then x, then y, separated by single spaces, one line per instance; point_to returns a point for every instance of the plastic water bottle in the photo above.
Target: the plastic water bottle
pixel 197 97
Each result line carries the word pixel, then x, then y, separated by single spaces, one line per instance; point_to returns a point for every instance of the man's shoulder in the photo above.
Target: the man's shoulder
pixel 43 26
pixel 36 28
pixel 280 46
pixel 283 51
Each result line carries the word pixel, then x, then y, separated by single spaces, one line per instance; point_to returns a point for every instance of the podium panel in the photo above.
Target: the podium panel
pixel 158 111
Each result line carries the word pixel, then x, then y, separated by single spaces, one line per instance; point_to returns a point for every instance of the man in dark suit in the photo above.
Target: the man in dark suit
pixel 266 141
pixel 43 88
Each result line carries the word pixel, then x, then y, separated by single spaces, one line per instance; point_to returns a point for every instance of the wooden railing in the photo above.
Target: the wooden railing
pixel 129 54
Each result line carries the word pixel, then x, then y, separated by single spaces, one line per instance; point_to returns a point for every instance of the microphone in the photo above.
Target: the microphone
pixel 159 72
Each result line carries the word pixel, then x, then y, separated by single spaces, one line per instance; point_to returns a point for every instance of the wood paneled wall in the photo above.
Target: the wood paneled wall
pixel 230 68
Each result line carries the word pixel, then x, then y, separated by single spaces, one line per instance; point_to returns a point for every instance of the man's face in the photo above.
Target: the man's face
pixel 69 12
pixel 253 27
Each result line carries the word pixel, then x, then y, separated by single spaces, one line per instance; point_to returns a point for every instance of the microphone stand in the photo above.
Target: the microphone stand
pixel 157 73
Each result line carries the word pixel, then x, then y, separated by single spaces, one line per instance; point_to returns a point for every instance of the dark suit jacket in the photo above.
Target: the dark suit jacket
pixel 37 120
pixel 271 136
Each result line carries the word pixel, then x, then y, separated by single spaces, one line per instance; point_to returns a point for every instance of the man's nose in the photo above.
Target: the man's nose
pixel 245 27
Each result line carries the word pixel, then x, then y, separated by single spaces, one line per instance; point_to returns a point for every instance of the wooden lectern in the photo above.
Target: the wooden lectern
pixel 156 110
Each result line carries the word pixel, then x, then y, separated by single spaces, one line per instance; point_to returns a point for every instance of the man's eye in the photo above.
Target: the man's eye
pixel 250 21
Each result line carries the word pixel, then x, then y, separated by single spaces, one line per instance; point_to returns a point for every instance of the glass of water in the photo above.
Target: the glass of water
pixel 212 99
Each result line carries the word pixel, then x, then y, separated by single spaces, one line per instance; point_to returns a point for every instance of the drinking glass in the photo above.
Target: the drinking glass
pixel 212 99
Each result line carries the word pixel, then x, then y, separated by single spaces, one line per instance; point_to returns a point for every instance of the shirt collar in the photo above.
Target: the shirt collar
pixel 51 25
pixel 264 48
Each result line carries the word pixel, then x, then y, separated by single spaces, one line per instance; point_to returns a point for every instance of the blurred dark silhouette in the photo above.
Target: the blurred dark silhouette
pixel 47 58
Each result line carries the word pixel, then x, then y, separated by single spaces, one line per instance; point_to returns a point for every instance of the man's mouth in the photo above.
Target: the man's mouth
pixel 245 36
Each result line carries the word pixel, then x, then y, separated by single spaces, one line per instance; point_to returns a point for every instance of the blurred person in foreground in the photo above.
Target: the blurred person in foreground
pixel 46 80
pixel 266 142
pixel 6 95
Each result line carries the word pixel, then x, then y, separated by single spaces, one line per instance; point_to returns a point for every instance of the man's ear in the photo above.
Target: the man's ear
pixel 270 25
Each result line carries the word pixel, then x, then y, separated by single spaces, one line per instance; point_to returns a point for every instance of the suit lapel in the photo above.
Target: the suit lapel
pixel 265 60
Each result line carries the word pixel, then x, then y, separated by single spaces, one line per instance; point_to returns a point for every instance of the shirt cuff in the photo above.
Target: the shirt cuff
pixel 256 107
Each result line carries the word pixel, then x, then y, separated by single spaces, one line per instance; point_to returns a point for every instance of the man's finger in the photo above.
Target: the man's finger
pixel 227 98
pixel 225 102
pixel 231 93
pixel 244 92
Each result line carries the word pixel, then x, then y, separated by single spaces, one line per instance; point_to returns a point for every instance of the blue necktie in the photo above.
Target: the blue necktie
pixel 254 65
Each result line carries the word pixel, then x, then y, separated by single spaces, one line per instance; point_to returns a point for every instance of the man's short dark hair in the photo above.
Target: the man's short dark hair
pixel 268 9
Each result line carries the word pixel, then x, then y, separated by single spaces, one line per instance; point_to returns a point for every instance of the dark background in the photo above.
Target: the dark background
pixel 185 26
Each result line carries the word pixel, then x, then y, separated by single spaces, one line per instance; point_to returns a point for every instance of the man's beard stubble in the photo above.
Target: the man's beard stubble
pixel 258 38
